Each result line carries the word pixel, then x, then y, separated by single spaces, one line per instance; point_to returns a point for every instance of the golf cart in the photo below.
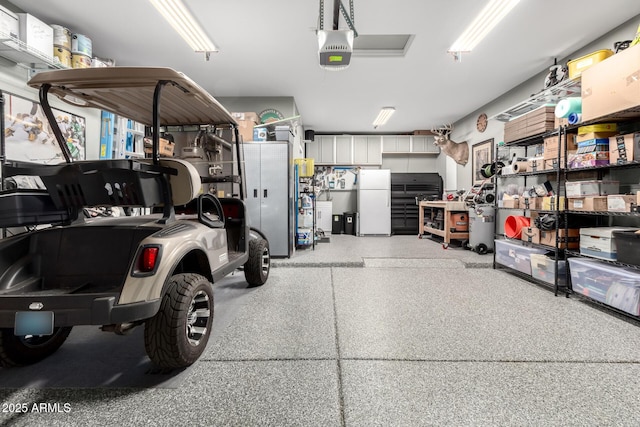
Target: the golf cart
pixel 154 269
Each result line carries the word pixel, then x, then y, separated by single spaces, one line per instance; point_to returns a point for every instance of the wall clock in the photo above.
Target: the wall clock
pixel 481 123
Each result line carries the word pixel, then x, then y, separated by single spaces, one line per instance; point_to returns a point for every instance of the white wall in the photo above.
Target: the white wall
pixel 465 129
pixel 13 79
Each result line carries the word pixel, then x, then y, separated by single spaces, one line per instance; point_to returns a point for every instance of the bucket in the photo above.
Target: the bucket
pixel 513 226
pixel 81 44
pixel 80 61
pixel 61 36
pixel 62 56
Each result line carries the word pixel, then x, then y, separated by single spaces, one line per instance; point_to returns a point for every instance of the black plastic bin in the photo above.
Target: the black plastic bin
pixel 349 223
pixel 337 224
pixel 628 246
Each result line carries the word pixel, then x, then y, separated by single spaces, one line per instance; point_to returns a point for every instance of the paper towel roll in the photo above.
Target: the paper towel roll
pixel 520 167
pixel 574 118
pixel 567 106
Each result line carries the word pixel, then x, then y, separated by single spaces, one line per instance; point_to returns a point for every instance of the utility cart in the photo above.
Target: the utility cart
pixel 154 270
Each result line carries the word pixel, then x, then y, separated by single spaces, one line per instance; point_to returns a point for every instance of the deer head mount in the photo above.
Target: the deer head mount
pixel 457 151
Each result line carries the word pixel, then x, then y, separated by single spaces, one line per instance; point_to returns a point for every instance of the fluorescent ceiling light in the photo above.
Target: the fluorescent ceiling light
pixel 179 17
pixel 488 18
pixel 383 116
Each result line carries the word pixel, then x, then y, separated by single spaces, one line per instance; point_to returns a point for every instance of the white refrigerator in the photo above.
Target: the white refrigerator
pixel 374 202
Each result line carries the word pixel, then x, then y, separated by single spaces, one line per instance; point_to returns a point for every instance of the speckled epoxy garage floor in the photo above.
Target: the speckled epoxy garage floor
pixel 359 332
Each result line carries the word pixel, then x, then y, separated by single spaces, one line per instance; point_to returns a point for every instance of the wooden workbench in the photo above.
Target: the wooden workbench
pixel 448 208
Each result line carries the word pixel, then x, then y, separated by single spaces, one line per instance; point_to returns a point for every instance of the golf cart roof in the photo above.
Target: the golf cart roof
pixel 129 92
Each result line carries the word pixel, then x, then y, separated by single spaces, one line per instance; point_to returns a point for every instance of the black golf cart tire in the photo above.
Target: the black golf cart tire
pixel 165 335
pixel 253 271
pixel 14 352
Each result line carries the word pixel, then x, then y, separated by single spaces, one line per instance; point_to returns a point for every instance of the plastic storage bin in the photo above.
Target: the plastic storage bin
pixel 515 255
pixel 615 286
pixel 628 245
pixel 544 268
pixel 577 66
pixel 591 188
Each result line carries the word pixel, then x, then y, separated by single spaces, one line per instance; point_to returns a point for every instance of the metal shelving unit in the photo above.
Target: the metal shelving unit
pixel 555 173
pixel 19 52
pixel 550 95
pixel 626 116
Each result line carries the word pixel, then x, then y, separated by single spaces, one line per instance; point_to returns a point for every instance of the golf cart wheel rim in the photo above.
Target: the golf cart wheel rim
pixel 198 318
pixel 265 261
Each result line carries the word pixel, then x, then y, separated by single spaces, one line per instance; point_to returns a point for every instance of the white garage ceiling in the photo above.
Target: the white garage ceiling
pixel 270 49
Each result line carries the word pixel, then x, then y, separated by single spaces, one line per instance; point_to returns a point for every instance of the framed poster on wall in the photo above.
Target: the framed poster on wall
pixel 481 154
pixel 29 137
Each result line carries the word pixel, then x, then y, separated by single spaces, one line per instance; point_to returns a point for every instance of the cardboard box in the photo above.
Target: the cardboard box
pixel 538 121
pixel 246 122
pixel 549 203
pixel 553 164
pixel 594 135
pixel 247 116
pixel 37 35
pixel 588 204
pixel 568 238
pixel 612 86
pixel 510 203
pixel 551 146
pixel 533 203
pixel 530 234
pixel 559 121
pixel 535 164
pixel 620 202
pixel 165 149
pixel 591 188
pixel 624 148
pixel 594 152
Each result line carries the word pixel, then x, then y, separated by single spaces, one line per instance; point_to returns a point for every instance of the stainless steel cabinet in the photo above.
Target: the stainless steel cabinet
pixel 269 193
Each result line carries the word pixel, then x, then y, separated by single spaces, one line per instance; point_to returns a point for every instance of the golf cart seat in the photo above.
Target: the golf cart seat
pixel 186 184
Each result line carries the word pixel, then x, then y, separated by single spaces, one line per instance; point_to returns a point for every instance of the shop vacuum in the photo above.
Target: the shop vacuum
pixel 482 216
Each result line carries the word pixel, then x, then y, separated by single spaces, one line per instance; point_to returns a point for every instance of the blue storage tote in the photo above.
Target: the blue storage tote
pixel 615 286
